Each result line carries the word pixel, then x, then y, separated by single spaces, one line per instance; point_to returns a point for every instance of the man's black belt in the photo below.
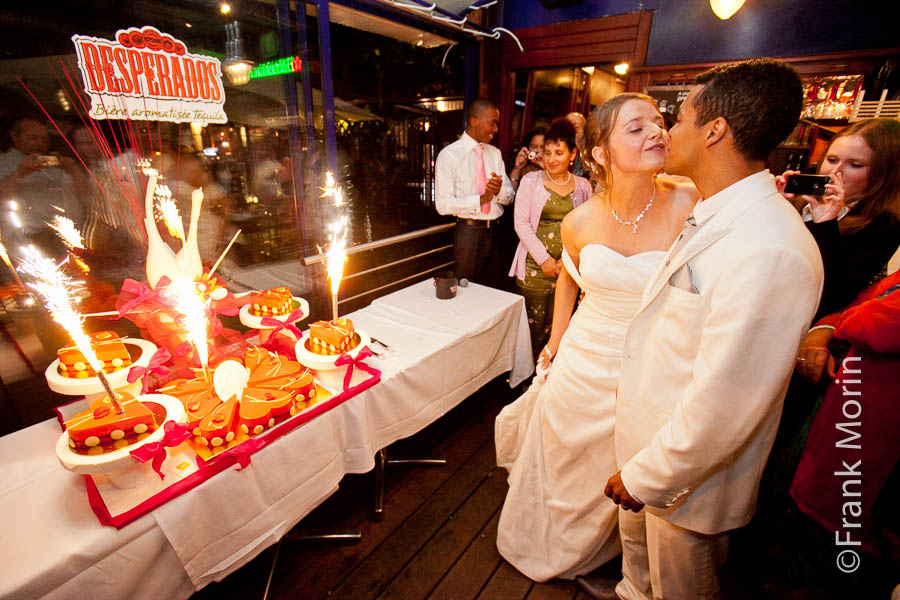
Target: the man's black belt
pixel 483 223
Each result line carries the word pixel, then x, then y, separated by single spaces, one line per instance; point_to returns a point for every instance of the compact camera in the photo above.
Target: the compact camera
pixel 532 155
pixel 48 160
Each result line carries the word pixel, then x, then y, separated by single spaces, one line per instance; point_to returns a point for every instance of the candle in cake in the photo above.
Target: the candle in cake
pixel 67 231
pixel 168 209
pixel 190 304
pixel 58 291
pixel 5 256
pixel 337 256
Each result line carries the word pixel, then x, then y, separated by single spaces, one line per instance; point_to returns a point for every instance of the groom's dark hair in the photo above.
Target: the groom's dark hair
pixel 761 100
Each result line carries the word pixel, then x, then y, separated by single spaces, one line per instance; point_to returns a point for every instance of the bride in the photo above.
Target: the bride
pixel 556 440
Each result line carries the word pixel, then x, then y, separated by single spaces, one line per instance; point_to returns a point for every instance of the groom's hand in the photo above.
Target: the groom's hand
pixel 615 489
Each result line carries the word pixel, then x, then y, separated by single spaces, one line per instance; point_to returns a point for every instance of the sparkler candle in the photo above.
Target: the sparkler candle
pixel 337 256
pixel 190 304
pixel 58 290
pixel 337 241
pixel 65 228
pixel 5 256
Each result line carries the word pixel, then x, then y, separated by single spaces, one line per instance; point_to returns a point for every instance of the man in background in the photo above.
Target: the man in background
pixel 471 184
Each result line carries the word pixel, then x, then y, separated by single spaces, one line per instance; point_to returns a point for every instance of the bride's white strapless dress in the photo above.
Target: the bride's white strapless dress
pixel 557 441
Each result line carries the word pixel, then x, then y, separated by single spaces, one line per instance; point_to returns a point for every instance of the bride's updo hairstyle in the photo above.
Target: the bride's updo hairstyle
pixel 597 130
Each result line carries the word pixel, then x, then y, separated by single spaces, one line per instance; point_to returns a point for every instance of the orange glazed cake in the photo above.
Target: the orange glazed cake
pixel 262 409
pixel 100 429
pixel 271 303
pixel 331 337
pixel 108 347
pixel 197 398
pixel 216 428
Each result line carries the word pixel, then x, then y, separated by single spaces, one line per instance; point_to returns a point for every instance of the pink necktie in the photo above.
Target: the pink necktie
pixel 481 177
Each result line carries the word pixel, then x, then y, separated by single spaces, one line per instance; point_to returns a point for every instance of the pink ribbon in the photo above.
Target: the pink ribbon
pixel 346 359
pixel 156 365
pixel 242 451
pixel 278 324
pixel 141 292
pixel 175 433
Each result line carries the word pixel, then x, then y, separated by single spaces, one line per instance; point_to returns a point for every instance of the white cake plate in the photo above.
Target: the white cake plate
pixel 91 386
pixel 321 362
pixel 122 469
pixel 254 322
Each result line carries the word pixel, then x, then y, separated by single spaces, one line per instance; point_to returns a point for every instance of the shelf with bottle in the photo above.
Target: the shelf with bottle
pixel 830 98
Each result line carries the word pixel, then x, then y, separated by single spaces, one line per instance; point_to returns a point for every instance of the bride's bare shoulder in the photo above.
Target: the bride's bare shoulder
pixel 682 192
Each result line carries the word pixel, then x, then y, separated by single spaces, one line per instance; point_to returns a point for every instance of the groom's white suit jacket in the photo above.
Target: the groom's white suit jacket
pixel 707 358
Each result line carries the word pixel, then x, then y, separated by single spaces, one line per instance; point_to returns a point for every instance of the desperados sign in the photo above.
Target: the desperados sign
pixel 146 75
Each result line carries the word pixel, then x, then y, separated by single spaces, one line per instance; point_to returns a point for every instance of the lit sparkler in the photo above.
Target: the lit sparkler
pixel 5 256
pixel 58 291
pixel 337 256
pixel 169 211
pixel 68 233
pixel 191 305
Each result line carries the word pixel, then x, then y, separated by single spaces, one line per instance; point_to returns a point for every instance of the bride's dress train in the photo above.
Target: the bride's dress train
pixel 556 440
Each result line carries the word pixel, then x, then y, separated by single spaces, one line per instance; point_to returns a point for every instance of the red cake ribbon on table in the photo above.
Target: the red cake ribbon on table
pixel 278 324
pixel 346 359
pixel 156 365
pixel 141 293
pixel 175 433
pixel 242 451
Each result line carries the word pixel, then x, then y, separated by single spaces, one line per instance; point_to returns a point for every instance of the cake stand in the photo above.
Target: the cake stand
pixel 254 322
pixel 141 352
pixel 322 362
pixel 122 469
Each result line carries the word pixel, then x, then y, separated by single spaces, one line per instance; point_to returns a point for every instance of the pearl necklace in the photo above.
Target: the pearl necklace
pixel 566 182
pixel 634 223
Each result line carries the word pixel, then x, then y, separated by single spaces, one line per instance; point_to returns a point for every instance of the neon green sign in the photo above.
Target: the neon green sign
pixel 282 66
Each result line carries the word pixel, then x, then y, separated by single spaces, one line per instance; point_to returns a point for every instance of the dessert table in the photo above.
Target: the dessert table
pixel 441 351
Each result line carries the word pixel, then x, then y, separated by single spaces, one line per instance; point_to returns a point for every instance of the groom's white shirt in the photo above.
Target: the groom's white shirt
pixel 708 356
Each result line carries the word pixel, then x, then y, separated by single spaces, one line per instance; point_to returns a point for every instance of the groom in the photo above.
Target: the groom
pixel 707 358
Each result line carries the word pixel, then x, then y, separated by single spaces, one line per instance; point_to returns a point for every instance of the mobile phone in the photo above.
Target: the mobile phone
pixel 807 185
pixel 48 160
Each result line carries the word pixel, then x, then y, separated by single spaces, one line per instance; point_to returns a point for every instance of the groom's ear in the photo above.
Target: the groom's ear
pixel 715 131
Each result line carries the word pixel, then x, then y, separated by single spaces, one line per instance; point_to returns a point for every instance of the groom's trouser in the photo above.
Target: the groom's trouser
pixel 663 561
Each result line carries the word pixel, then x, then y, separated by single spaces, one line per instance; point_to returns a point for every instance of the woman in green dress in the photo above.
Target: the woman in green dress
pixel 543 199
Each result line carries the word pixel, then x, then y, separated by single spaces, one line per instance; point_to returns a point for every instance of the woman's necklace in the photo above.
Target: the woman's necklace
pixel 634 223
pixel 566 182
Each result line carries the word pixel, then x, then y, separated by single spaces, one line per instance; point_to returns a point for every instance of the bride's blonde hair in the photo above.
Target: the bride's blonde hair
pixel 597 130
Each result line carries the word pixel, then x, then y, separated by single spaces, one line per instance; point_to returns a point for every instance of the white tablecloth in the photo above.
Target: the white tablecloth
pixel 441 352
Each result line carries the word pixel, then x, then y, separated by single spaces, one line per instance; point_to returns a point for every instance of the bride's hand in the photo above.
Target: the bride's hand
pixel 543 363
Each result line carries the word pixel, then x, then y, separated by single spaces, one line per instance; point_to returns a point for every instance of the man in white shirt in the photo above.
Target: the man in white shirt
pixel 471 184
pixel 707 358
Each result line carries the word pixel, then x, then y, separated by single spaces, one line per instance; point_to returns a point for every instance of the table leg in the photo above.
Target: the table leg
pixel 381 463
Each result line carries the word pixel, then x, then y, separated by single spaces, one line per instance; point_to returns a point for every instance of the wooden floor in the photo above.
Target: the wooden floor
pixel 437 539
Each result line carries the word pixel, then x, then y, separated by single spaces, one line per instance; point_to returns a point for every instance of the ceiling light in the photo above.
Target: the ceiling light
pixel 621 68
pixel 588 70
pixel 225 8
pixel 725 9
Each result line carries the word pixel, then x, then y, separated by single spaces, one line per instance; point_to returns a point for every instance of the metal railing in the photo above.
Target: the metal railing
pixel 383 243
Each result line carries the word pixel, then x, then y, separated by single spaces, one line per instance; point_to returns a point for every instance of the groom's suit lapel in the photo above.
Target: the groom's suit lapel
pixel 710 232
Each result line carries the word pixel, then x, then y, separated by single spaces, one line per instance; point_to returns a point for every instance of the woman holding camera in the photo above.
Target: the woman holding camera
pixel 543 199
pixel 530 157
pixel 857 222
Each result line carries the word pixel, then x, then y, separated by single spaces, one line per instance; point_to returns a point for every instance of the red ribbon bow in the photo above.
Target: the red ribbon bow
pixel 175 433
pixel 242 451
pixel 141 292
pixel 156 365
pixel 346 359
pixel 278 324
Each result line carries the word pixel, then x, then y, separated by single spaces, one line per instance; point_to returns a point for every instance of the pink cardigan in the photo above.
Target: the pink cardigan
pixel 530 201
